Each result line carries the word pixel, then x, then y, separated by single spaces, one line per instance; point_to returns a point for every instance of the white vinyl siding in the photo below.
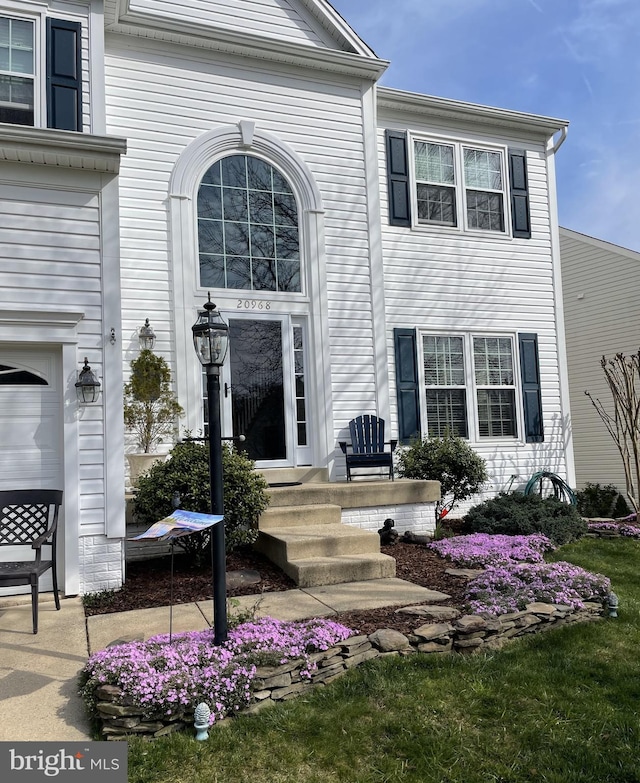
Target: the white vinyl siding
pixel 323 124
pixel 282 19
pixel 487 285
pixel 602 317
pixel 50 254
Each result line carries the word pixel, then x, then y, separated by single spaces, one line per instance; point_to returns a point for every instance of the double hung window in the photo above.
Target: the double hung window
pixel 469 384
pixel 459 185
pixel 17 71
pixel 41 88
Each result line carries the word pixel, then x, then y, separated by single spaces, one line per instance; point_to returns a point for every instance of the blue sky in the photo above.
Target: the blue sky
pixel 574 59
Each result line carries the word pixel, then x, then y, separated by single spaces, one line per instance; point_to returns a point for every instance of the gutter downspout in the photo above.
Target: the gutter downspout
pixel 566 428
pixel 560 142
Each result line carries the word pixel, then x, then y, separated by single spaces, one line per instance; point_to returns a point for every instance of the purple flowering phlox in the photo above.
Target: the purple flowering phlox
pixel 483 550
pixel 169 677
pixel 510 588
pixel 627 530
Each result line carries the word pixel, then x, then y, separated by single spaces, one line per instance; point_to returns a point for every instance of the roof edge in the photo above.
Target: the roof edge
pixel 401 100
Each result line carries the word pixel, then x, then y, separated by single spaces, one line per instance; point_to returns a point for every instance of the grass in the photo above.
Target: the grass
pixel 557 707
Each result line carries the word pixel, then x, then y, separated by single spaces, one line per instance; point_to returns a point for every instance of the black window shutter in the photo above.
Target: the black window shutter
pixel 407 384
pixel 64 75
pixel 398 179
pixel 532 394
pixel 520 214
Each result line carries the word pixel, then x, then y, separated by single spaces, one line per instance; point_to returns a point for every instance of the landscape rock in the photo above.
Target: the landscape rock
pixel 435 612
pixel 387 640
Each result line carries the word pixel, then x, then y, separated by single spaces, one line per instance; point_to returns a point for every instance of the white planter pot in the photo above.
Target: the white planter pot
pixel 141 463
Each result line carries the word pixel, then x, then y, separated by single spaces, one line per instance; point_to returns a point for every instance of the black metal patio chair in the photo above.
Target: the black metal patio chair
pixel 368 446
pixel 29 518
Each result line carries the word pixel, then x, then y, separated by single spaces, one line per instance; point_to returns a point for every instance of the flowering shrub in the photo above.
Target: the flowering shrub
pixel 169 678
pixel 507 589
pixel 482 549
pixel 630 531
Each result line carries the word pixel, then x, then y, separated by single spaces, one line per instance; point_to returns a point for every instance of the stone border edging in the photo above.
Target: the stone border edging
pixel 273 684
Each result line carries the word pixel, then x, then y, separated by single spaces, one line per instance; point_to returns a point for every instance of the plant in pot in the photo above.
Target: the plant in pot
pixel 150 409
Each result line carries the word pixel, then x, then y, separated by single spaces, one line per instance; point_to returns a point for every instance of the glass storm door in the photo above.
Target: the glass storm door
pixel 256 388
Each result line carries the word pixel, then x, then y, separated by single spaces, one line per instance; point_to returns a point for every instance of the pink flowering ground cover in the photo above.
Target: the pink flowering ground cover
pixel 169 677
pixel 516 574
pixel 510 588
pixel 627 530
pixel 480 550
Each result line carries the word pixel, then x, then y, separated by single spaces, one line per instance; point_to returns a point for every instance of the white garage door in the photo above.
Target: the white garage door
pixel 30 426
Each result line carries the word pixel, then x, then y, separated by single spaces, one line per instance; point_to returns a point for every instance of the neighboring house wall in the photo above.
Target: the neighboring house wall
pixel 455 281
pixel 602 316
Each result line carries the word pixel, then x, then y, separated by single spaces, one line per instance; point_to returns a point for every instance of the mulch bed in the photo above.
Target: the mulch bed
pixel 148 584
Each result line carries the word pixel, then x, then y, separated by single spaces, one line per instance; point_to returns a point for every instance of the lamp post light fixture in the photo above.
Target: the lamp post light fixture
pixel 146 336
pixel 87 385
pixel 211 340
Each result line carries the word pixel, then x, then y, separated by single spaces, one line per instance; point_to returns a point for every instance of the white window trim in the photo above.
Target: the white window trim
pixel 471 387
pixel 462 227
pixel 27 13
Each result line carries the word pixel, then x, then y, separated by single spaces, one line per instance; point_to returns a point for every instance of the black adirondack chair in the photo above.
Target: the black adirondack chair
pixel 29 518
pixel 367 447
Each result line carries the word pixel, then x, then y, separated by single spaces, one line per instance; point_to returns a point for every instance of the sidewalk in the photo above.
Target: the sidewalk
pixel 39 673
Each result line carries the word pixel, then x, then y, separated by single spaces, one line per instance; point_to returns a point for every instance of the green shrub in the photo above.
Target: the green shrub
pixel 449 460
pixel 597 501
pixel 518 514
pixel 186 473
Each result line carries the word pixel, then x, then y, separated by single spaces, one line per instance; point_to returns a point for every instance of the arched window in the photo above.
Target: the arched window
pixel 248 234
pixel 12 376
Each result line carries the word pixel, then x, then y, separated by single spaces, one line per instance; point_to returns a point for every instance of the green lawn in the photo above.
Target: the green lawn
pixel 559 707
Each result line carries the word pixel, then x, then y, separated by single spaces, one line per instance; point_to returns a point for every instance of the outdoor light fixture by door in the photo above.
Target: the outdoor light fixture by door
pixel 211 340
pixel 146 336
pixel 87 385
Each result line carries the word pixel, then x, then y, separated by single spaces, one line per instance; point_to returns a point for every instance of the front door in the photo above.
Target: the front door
pixel 263 390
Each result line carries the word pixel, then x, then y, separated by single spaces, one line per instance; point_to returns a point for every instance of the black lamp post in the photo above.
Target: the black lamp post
pixel 211 339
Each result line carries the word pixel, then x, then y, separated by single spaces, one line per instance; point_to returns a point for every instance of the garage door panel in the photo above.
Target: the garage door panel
pixel 30 430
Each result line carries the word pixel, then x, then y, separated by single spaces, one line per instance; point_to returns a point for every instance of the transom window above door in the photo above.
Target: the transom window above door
pixel 248 232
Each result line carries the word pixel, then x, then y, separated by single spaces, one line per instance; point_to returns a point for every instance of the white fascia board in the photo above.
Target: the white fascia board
pixel 67 149
pixel 250 45
pixel 337 26
pixel 402 101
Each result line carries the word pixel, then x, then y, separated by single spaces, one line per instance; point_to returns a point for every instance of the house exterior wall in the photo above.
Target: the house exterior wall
pixel 98 244
pixel 57 292
pixel 319 119
pixel 602 313
pixel 441 281
pixel 277 20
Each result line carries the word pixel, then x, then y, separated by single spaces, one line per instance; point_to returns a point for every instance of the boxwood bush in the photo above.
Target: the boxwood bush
pixel 597 501
pixel 186 474
pixel 517 514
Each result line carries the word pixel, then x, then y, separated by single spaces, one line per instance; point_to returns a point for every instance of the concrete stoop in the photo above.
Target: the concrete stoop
pixel 302 530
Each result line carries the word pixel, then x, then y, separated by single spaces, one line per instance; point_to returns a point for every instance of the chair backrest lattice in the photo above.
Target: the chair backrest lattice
pixel 367 434
pixel 25 515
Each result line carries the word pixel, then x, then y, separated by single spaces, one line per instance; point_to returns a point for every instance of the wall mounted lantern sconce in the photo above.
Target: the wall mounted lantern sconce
pixel 87 386
pixel 147 336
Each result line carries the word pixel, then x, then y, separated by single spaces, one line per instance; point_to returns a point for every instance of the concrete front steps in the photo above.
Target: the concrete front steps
pixel 317 549
pixel 302 532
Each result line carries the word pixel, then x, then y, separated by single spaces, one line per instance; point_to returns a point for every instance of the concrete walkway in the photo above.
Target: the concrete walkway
pixel 39 673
